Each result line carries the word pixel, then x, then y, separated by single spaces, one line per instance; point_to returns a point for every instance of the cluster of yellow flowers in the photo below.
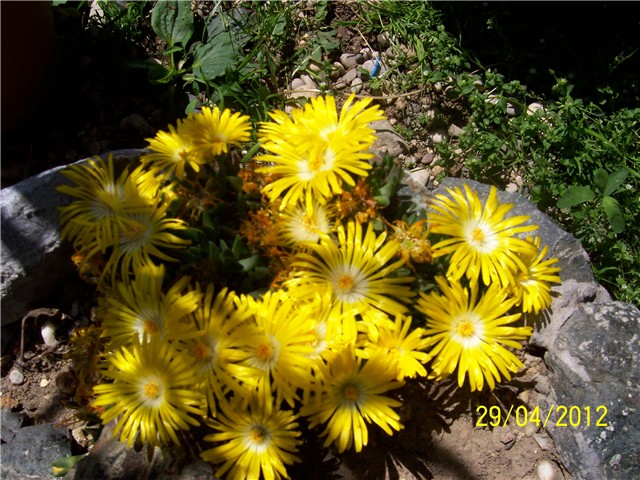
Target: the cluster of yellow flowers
pixel 342 321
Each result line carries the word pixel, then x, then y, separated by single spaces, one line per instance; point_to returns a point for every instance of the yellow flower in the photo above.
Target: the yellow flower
pixel 151 392
pixel 358 272
pixel 298 226
pixel 172 151
pixel 350 396
pixel 415 246
pixel 143 234
pixel 255 442
pixel 224 329
pixel 281 351
pixel 395 341
pixel 315 151
pixel 142 308
pixel 532 287
pixel 212 131
pixel 481 241
pixel 90 220
pixel 469 331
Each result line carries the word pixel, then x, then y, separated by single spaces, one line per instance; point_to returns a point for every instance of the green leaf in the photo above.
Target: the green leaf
pixel 212 59
pixel 600 177
pixel 172 21
pixel 250 263
pixel 382 200
pixel 616 179
pixel 614 214
pixel 159 74
pixel 61 466
pixel 574 196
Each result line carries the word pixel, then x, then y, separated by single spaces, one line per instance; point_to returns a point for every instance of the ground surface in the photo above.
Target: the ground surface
pixel 93 111
pixel 441 438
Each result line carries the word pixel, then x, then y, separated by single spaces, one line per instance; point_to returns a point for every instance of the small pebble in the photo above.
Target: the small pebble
pixel 531 428
pixel 438 136
pixel 349 60
pixel 455 131
pixel 297 83
pixel 350 76
pixel 308 81
pixel 44 382
pixel 543 441
pixel 369 66
pixel 545 470
pixel 48 332
pixel 356 85
pixel 534 107
pixel 16 377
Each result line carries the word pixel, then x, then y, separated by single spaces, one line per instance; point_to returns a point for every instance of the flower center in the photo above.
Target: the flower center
pixel 152 390
pixel 346 284
pixel 465 328
pixel 202 352
pixel 477 236
pixel 351 393
pixel 265 351
pixel 315 163
pixel 218 137
pixel 258 434
pixel 150 327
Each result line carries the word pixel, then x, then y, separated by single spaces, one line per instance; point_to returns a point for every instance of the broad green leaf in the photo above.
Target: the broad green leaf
pixel 600 177
pixel 172 21
pixel 615 180
pixel 614 214
pixel 212 59
pixel 574 196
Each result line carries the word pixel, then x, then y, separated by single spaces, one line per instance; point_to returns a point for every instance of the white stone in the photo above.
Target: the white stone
pixel 545 470
pixel 48 332
pixel 16 377
pixel 297 83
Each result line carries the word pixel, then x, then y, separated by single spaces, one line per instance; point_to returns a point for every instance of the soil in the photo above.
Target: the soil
pixel 92 109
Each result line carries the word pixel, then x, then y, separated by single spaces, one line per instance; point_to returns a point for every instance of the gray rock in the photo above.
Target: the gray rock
pixel 388 141
pixel 592 347
pixel 16 377
pixel 595 360
pixel 10 423
pixel 32 452
pixel 110 459
pixel 34 259
pixel 369 66
pixel 455 131
pixel 350 60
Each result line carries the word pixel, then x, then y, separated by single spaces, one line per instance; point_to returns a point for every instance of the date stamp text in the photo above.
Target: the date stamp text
pixel 565 416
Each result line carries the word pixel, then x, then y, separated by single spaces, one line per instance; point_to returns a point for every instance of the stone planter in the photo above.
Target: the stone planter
pixel 36 265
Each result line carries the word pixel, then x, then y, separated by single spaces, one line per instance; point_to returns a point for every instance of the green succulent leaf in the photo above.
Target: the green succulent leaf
pixel 575 196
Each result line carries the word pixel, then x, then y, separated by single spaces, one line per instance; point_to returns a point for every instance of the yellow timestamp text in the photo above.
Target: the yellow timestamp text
pixel 565 416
